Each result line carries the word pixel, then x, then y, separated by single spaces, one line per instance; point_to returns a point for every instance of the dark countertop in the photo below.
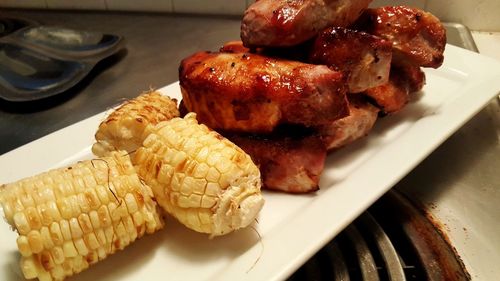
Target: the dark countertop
pixel 155 44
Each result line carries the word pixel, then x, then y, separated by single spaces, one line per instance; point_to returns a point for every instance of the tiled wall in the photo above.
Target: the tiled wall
pixel 476 14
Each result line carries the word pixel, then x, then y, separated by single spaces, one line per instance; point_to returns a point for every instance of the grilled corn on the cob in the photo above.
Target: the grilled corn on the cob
pixel 201 178
pixel 72 217
pixel 128 126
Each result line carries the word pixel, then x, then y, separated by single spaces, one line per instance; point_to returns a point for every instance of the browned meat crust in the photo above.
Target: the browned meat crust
pixel 286 164
pixel 395 94
pixel 253 93
pixel 351 128
pixel 281 23
pixel 417 37
pixel 364 58
pixel 235 46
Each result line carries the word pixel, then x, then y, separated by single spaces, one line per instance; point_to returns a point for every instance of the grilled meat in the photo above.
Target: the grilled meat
pixel 417 37
pixel 348 129
pixel 296 53
pixel 414 76
pixel 289 164
pixel 236 46
pixel 253 93
pixel 395 94
pixel 364 58
pixel 281 23
pixel 292 70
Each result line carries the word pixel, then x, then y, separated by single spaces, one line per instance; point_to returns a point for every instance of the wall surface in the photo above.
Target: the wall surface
pixel 476 14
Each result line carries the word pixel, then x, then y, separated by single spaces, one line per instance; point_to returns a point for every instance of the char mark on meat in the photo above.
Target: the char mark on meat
pixel 346 130
pixel 365 59
pixel 249 92
pixel 395 94
pixel 418 37
pixel 291 164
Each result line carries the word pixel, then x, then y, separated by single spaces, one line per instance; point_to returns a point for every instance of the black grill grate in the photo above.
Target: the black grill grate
pixel 392 241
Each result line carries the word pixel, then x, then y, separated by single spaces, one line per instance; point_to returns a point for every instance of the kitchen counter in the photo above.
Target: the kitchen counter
pixel 155 44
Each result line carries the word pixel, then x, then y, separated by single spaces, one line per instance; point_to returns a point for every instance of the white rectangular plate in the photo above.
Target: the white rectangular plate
pixel 291 228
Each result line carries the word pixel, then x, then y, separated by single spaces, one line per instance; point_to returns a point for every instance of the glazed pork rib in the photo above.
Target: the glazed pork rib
pixel 418 37
pixel 292 159
pixel 358 124
pixel 252 93
pixel 395 94
pixel 281 23
pixel 289 164
pixel 365 59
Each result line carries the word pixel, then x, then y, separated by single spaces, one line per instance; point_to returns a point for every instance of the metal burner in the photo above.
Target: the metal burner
pixel 392 241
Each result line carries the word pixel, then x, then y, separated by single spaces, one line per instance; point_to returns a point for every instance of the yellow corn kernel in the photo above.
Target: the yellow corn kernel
pixel 127 126
pixel 202 179
pixel 81 247
pixel 46 238
pixel 58 255
pixel 64 230
pixel 29 267
pixel 35 241
pixel 21 223
pixel 69 249
pixel 24 246
pixel 55 234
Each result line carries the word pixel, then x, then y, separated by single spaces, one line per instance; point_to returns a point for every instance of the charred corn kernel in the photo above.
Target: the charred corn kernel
pixel 47 261
pixel 202 179
pixel 55 234
pixel 128 126
pixel 81 214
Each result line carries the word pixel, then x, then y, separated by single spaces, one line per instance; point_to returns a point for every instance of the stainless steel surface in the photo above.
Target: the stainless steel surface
pixel 155 44
pixel 459 35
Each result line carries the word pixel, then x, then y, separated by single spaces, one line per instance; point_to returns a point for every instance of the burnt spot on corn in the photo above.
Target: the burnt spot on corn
pixel 140 198
pixel 182 165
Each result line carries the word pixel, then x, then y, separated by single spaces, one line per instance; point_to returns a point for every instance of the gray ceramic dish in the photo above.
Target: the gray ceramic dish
pixel 41 61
